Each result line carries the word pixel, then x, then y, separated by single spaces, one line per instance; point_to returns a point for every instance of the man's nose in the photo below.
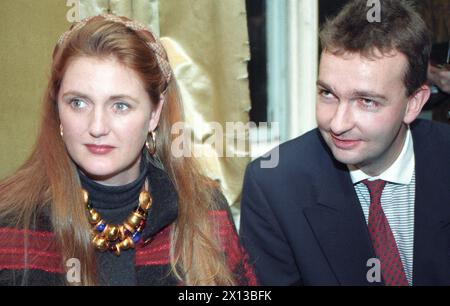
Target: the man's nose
pixel 343 119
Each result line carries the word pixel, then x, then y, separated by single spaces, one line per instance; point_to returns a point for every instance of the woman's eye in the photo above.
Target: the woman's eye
pixel 77 103
pixel 121 107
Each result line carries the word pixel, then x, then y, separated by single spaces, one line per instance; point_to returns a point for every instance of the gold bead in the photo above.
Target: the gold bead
pixel 145 200
pixel 134 219
pixel 85 196
pixel 94 216
pixel 129 227
pixel 122 235
pixel 124 245
pixel 100 243
pixel 117 247
pixel 127 243
pixel 111 232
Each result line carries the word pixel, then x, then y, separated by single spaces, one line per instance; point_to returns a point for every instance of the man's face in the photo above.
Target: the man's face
pixel 361 108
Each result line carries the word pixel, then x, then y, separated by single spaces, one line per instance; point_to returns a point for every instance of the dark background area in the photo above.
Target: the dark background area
pixel 329 8
pixel 257 67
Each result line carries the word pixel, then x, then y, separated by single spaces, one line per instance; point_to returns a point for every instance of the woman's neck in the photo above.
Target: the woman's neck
pixel 105 196
pixel 119 178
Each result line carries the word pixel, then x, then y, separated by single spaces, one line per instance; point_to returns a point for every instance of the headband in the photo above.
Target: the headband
pixel 151 39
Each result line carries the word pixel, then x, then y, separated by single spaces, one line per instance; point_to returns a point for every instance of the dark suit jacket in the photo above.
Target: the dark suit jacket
pixel 302 223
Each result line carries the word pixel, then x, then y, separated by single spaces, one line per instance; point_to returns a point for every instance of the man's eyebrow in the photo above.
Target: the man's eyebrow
pixel 368 94
pixel 356 93
pixel 324 85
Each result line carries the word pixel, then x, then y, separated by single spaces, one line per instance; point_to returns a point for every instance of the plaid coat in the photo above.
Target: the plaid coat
pixel 151 255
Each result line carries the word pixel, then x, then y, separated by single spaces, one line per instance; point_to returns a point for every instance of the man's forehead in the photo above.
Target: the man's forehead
pixel 392 64
pixel 351 73
pixel 372 54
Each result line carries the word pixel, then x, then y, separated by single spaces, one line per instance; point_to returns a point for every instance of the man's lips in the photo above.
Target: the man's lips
pixel 99 149
pixel 345 144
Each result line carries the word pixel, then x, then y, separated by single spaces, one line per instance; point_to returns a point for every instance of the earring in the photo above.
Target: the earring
pixel 61 130
pixel 151 143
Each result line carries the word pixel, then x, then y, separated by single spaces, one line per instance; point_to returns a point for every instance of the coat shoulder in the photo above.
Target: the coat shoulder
pixel 431 132
pixel 300 157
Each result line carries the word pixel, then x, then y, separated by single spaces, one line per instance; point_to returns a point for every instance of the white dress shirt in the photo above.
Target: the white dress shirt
pixel 397 200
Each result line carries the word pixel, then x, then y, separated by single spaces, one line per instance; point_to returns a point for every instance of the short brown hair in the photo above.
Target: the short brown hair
pixel 400 29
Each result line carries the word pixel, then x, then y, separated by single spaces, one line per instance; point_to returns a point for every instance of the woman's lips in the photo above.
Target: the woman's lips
pixel 344 144
pixel 99 149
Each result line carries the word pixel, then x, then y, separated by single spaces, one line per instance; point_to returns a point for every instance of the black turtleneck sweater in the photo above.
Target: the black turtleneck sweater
pixel 115 203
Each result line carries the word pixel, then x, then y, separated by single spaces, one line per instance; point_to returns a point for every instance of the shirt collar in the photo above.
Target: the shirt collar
pixel 400 172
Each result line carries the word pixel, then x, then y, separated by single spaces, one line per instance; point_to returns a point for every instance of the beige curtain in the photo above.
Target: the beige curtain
pixel 145 11
pixel 208 48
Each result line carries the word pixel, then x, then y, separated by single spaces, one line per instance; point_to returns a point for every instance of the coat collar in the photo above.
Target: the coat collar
pixel 164 209
pixel 339 225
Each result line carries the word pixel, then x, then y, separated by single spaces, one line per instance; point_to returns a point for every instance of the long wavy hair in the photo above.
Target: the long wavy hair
pixel 49 180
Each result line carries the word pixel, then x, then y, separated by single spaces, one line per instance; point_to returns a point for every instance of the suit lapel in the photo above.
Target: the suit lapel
pixel 339 226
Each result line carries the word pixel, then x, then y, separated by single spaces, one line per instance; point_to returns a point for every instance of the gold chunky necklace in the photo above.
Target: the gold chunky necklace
pixel 115 238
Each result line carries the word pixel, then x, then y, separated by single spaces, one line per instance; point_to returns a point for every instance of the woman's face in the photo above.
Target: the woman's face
pixel 105 114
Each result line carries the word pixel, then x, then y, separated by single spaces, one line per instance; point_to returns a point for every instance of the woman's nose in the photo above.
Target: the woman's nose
pixel 99 123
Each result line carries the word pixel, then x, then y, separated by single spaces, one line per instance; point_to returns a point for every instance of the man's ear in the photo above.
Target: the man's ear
pixel 416 103
pixel 156 114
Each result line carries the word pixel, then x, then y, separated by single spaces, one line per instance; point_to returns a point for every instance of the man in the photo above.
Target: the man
pixel 365 198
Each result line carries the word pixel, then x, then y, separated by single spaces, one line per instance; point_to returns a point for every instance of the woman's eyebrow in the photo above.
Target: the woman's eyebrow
pixel 113 97
pixel 76 93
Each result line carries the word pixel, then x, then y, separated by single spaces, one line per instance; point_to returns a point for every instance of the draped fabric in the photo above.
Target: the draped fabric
pixel 436 14
pixel 145 11
pixel 208 48
pixel 213 78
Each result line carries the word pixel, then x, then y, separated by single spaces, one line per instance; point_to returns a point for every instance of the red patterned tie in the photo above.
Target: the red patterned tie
pixel 382 238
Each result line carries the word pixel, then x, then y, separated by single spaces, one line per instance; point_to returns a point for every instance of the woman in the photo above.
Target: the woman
pixel 102 191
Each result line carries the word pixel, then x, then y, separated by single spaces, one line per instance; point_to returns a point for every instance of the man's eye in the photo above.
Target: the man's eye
pixel 325 93
pixel 368 103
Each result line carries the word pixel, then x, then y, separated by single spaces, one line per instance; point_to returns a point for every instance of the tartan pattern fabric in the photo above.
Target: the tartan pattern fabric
pixel 45 266
pixel 383 240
